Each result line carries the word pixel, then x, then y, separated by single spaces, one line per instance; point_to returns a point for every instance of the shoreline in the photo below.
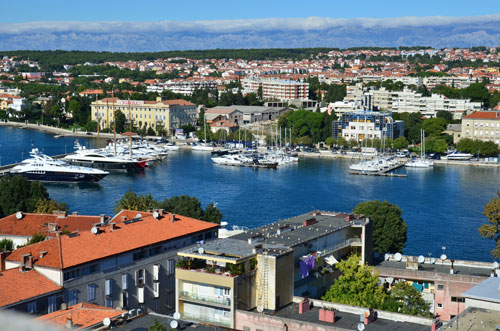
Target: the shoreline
pixel 320 155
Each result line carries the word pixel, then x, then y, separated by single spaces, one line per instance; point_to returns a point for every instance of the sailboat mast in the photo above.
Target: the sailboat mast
pixel 114 118
pixel 130 126
pixel 98 124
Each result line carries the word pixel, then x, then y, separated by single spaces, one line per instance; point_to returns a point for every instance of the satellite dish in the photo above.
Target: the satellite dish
pixel 421 259
pixel 443 257
pixel 94 230
pixel 19 215
pixel 495 264
pixel 361 326
pixel 174 324
pixel 138 216
pixel 106 321
pixel 156 214
pixel 433 260
pixel 177 315
pixel 387 256
pixel 201 250
pixel 260 309
pixel 398 256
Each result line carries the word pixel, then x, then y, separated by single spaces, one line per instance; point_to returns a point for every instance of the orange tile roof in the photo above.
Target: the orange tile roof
pixel 83 315
pixel 65 251
pixel 38 223
pixel 485 115
pixel 16 286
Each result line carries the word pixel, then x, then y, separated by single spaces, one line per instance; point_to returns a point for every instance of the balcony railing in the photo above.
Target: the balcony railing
pixel 222 300
pixel 223 320
pixel 342 244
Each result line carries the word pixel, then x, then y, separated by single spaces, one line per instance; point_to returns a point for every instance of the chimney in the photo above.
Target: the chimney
pixel 451 269
pixel 30 262
pixel 42 254
pixel 3 256
pixel 75 213
pixel 102 218
pixel 69 323
pixel 124 218
pixel 112 226
pixel 172 218
pixel 349 218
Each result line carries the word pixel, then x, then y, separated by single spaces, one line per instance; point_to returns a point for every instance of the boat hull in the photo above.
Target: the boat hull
pixel 128 166
pixel 61 177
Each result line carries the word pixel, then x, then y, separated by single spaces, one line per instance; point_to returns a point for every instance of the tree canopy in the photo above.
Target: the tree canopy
pixel 492 230
pixel 477 147
pixel 6 245
pixel 182 204
pixel 389 228
pixel 19 194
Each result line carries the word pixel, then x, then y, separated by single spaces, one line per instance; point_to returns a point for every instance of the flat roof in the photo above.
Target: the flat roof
pixel 439 268
pixel 487 290
pixel 293 232
pixel 346 320
pixel 474 319
pixel 146 321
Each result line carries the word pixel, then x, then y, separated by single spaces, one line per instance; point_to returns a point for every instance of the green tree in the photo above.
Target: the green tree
pixel 133 201
pixel 410 300
pixel 446 115
pixel 436 145
pixel 37 237
pixel 19 194
pixel 465 145
pixel 151 132
pixel 329 141
pixel 389 228
pixel 492 230
pixel 400 143
pixel 6 245
pixel 184 205
pixel 212 214
pixel 434 126
pixel 157 326
pixel 48 206
pixel 357 285
pixel 120 121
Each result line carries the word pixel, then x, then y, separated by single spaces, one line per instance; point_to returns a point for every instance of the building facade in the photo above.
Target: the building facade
pixel 168 114
pixel 361 125
pixel 482 125
pixel 276 89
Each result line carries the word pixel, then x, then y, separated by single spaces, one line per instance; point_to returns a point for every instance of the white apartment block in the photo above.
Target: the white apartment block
pixel 282 90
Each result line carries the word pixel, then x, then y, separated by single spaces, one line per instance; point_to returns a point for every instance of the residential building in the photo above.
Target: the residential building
pixel 20 227
pixel 167 114
pixel 27 290
pixel 279 89
pixel 126 263
pixel 361 125
pixel 82 316
pixel 484 295
pixel 10 90
pixel 221 123
pixel 263 268
pixel 482 125
pixel 12 101
pixel 242 115
pixel 474 319
pixel 441 281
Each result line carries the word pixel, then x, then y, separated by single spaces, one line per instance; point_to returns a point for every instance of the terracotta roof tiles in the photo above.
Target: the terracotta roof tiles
pixel 486 115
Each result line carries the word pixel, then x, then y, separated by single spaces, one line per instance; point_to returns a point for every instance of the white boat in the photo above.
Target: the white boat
pixel 367 166
pixel 420 162
pixel 44 168
pixel 456 155
pixel 102 160
pixel 232 160
pixel 203 147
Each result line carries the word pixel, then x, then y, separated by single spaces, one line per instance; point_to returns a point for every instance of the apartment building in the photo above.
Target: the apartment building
pixel 482 125
pixel 441 281
pixel 276 89
pixel 12 101
pixel 167 114
pixel 126 263
pixel 263 268
pixel 361 125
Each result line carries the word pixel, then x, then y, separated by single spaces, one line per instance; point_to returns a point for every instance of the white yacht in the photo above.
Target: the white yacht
pixel 456 155
pixel 103 160
pixel 44 168
pixel 205 147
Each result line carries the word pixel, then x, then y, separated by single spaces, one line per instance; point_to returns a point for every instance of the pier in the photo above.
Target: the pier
pixel 383 173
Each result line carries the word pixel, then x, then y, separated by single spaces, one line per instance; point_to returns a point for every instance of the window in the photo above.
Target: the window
pixel 171 267
pixel 125 282
pixel 440 305
pixel 52 304
pixel 139 255
pixel 156 272
pixel 109 302
pixel 124 299
pixel 32 307
pixel 73 298
pixel 140 277
pixel 457 299
pixel 440 287
pixel 90 269
pixel 108 287
pixel 71 274
pixel 91 291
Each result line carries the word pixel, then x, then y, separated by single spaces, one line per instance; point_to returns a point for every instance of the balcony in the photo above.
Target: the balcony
pixel 222 321
pixel 343 244
pixel 218 301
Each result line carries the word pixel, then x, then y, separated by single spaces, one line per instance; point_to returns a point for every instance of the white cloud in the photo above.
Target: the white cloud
pixel 241 25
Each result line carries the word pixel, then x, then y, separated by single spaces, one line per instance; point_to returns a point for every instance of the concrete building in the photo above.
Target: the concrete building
pixel 167 114
pixel 441 282
pixel 263 268
pixel 276 89
pixel 484 295
pixel 362 125
pixel 482 125
pixel 10 90
pixel 20 227
pixel 12 101
pixel 242 115
pixel 126 263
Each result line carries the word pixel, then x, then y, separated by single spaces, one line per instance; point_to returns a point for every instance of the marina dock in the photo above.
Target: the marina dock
pixel 383 173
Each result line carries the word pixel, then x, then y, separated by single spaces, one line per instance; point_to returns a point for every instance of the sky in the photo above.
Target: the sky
pixel 193 10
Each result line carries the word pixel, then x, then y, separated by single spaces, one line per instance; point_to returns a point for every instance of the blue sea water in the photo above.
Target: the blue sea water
pixel 442 206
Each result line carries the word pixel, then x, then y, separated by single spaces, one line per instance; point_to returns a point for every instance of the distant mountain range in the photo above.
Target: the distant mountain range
pixel 437 32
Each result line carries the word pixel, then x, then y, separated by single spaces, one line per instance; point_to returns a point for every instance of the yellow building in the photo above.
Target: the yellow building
pixel 482 125
pixel 167 114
